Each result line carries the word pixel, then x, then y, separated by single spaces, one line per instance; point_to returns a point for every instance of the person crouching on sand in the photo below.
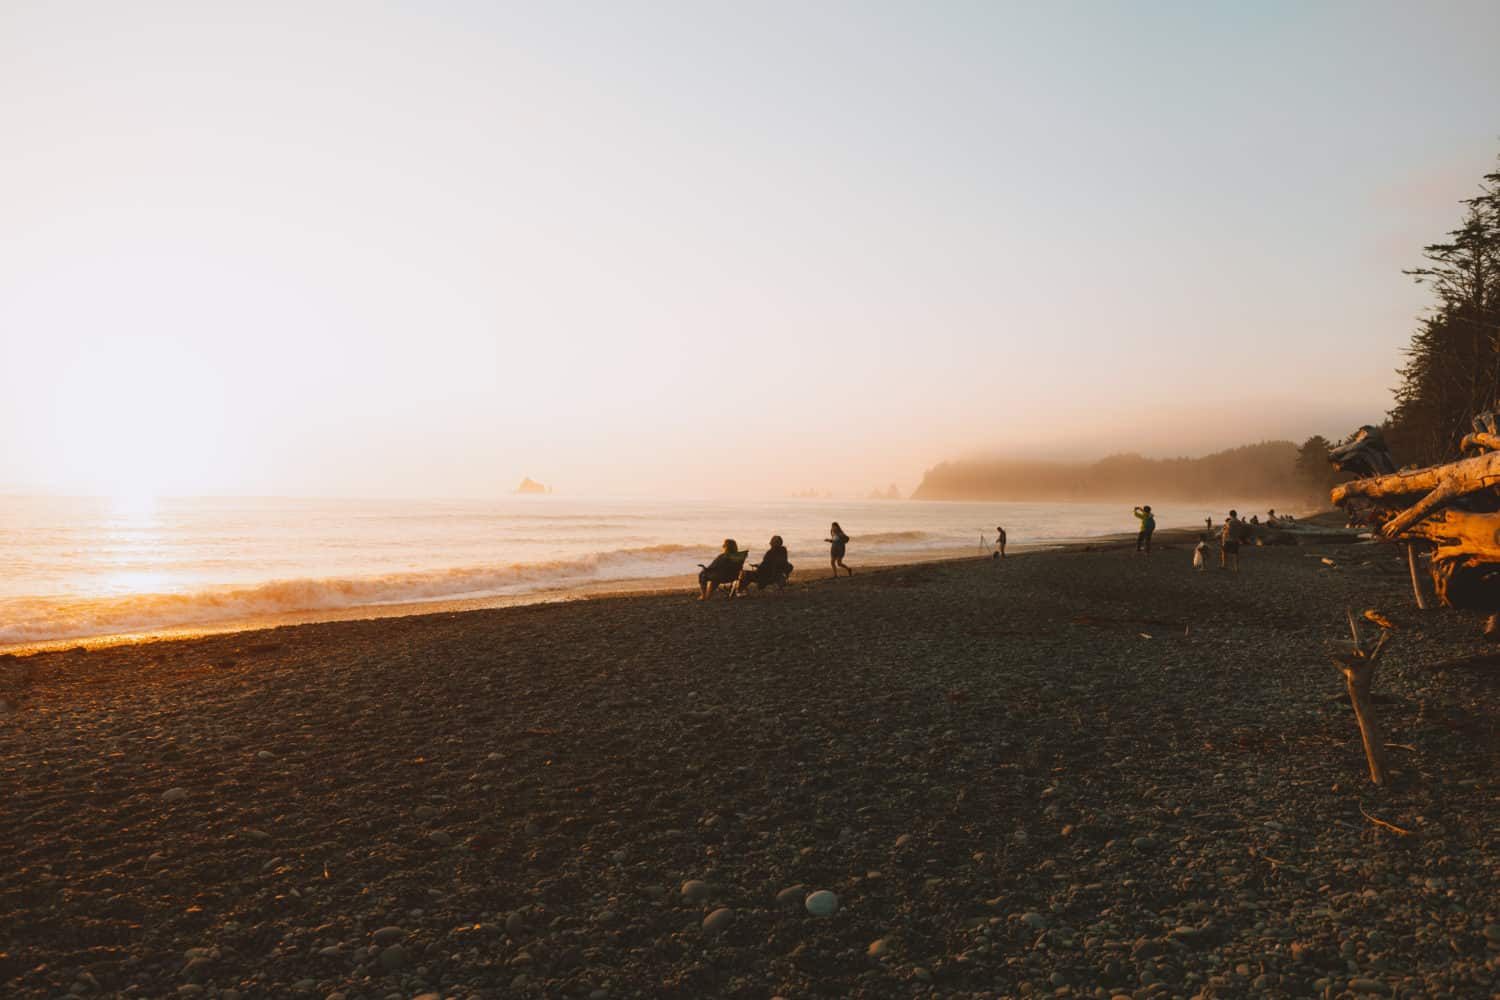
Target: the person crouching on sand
pixel 837 541
pixel 1148 525
pixel 1200 554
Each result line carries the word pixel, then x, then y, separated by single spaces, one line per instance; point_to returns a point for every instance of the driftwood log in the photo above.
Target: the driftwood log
pixel 1357 661
pixel 1452 511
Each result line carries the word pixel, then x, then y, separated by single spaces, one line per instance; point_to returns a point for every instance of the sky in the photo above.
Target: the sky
pixel 708 249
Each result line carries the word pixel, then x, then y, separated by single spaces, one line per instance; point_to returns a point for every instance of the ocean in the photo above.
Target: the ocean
pixel 76 568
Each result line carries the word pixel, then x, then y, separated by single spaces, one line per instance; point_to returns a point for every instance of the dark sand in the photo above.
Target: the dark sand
pixel 1008 784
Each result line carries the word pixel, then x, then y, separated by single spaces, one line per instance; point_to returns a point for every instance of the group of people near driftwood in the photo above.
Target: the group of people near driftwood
pixel 1232 534
pixel 729 568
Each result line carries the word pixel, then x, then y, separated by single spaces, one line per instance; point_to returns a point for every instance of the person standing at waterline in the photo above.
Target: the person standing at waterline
pixel 999 542
pixel 1148 525
pixel 837 541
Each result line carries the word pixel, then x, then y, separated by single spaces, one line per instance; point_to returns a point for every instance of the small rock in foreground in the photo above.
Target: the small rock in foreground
pixel 822 903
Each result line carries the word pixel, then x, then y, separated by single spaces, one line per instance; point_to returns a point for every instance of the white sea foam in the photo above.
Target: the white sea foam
pixel 39 619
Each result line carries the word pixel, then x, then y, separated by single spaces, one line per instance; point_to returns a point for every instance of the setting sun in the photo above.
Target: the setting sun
pixel 136 420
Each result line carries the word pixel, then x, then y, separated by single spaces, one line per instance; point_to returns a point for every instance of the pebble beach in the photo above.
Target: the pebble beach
pixel 1073 773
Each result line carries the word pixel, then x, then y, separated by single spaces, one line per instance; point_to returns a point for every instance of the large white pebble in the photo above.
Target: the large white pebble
pixel 822 903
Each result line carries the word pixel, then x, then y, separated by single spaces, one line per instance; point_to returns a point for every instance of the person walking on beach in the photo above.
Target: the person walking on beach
pixel 999 542
pixel 837 541
pixel 1148 525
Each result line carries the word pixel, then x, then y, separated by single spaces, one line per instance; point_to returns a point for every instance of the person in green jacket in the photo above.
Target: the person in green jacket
pixel 1148 525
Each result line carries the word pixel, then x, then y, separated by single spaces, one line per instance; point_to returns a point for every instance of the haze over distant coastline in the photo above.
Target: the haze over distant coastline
pixel 618 247
pixel 1255 471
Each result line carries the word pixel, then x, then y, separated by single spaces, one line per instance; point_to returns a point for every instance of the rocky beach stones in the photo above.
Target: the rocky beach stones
pixel 792 895
pixel 718 920
pixel 325 875
pixel 387 936
pixel 174 795
pixel 822 903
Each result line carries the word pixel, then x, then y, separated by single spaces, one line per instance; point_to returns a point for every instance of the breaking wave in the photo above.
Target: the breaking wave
pixel 27 620
pixel 884 537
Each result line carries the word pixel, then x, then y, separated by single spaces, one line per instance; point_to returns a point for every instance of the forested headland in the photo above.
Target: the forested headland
pixel 1451 373
pixel 1265 470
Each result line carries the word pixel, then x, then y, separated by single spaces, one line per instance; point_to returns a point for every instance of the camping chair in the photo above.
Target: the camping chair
pixel 753 575
pixel 725 569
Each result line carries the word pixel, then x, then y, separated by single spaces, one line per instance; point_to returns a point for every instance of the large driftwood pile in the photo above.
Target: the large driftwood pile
pixel 1451 509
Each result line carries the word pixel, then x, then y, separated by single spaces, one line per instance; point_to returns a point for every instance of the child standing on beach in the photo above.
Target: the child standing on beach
pixel 837 540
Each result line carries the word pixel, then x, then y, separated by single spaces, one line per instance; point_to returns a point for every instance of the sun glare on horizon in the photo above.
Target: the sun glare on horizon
pixel 138 421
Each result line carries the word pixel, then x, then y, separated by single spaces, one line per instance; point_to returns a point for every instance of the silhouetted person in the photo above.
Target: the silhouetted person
pixel 999 542
pixel 774 567
pixel 837 541
pixel 1229 543
pixel 724 569
pixel 1148 525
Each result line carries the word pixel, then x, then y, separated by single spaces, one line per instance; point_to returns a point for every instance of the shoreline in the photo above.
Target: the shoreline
pixel 636 587
pixel 1079 766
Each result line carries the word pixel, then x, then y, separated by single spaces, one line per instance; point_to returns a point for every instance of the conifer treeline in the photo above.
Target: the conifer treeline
pixel 1452 371
pixel 1255 471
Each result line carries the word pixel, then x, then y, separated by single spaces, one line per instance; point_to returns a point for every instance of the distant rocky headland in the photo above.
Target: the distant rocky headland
pixel 1267 469
pixel 529 485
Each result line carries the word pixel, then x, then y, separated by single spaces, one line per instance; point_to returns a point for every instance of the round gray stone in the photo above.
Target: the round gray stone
pixel 821 903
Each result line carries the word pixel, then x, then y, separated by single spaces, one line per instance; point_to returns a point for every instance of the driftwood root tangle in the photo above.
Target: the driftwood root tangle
pixel 1454 508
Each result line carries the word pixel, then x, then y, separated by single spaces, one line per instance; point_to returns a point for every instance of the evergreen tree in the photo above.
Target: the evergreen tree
pixel 1453 362
pixel 1314 469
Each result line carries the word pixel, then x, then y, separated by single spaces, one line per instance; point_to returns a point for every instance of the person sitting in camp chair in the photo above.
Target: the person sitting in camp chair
pixel 725 569
pixel 772 570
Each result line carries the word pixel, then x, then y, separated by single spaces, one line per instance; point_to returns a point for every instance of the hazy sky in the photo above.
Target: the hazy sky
pixel 426 249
